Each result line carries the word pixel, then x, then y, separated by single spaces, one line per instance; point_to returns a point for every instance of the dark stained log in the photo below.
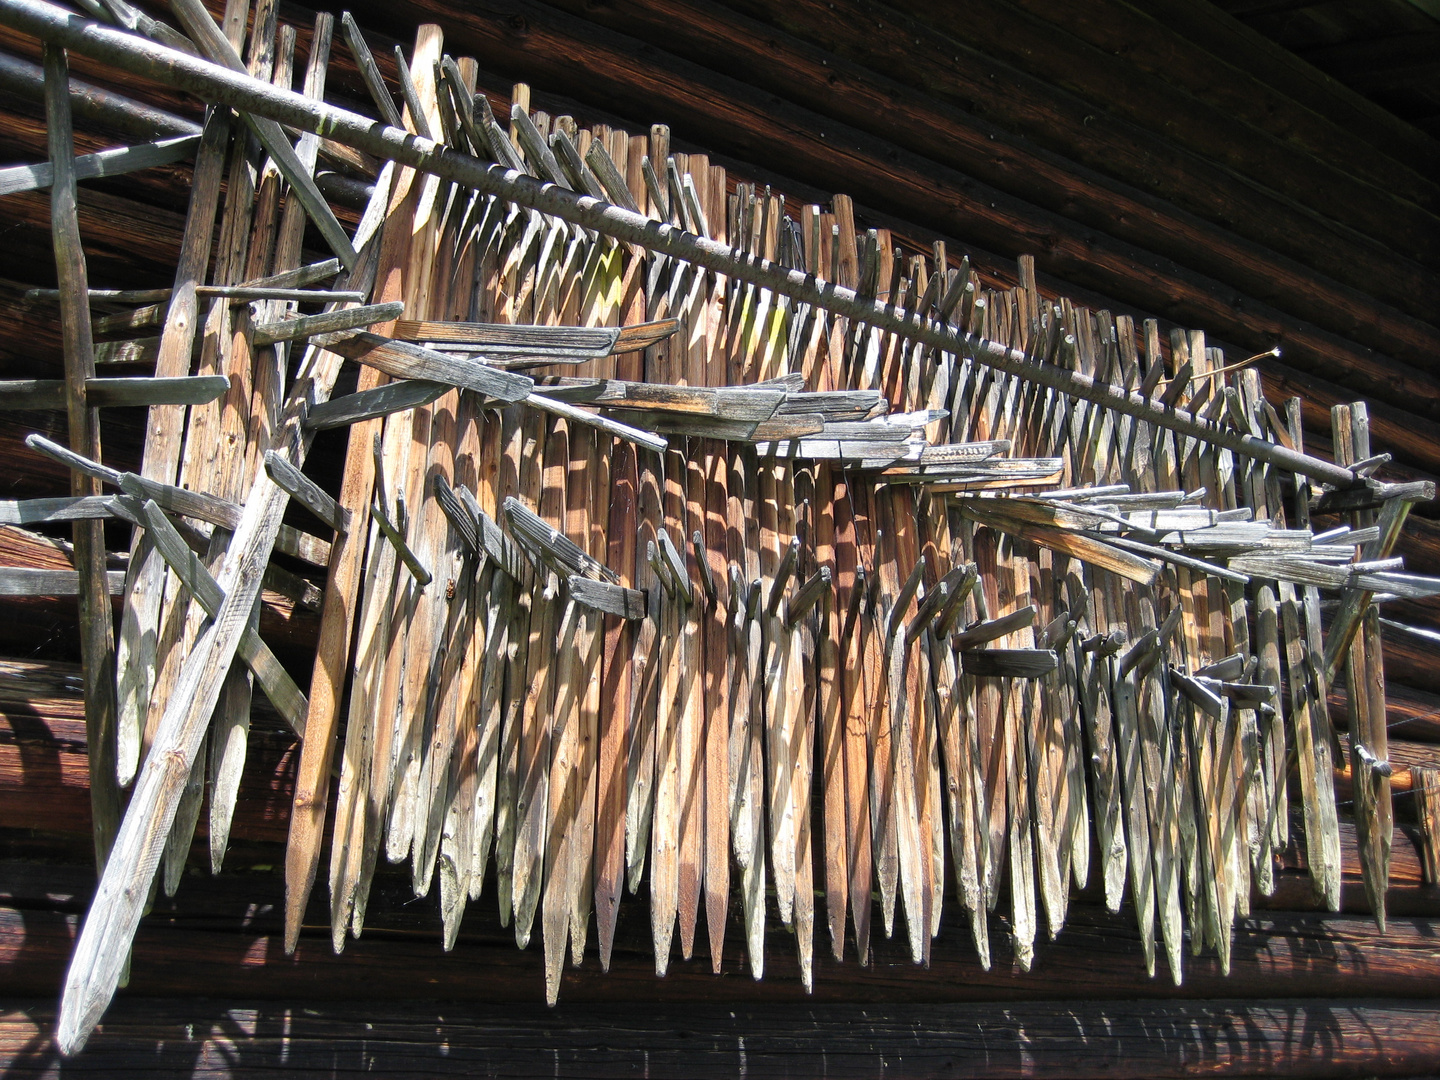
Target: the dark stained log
pixel 1410 655
pixel 710 34
pixel 885 39
pixel 1162 50
pixel 1212 30
pixel 1413 714
pixel 1402 199
pixel 162 113
pixel 184 1038
pixel 121 236
pixel 738 119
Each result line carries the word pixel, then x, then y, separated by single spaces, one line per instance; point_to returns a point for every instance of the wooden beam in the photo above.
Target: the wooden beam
pixel 201 27
pixel 876 99
pixel 97 626
pixel 182 1038
pixel 140 57
pixel 115 162
pixel 375 402
pixel 26 581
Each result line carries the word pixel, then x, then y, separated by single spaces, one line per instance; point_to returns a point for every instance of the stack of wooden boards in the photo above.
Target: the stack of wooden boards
pixel 638 565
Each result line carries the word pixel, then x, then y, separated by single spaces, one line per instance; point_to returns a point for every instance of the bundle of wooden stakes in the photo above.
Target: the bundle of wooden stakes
pixel 688 530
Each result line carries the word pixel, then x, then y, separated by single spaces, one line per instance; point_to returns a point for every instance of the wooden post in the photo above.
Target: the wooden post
pixel 97 641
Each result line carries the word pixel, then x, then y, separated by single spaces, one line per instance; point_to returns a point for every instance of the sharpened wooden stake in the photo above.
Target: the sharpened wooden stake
pixel 308 493
pixel 279 687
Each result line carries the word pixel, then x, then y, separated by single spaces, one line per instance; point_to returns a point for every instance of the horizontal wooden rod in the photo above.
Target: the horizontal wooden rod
pixel 122 159
pixel 215 84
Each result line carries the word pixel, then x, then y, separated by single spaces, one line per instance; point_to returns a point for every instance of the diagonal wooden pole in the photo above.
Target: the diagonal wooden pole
pixel 104 942
pixel 147 59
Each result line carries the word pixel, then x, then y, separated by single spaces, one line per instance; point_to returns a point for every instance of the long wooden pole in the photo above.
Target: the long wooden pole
pixel 97 640
pixel 215 84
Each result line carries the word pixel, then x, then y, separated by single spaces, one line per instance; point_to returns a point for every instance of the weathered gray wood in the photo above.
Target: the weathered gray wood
pixel 29 581
pixel 368 404
pixel 306 492
pixel 618 191
pixel 394 532
pixel 279 687
pixel 31 395
pixel 155 390
pixel 285 285
pixel 132 18
pixel 1346 620
pixel 1008 663
pixel 505 340
pixel 457 511
pixel 994 628
pixel 500 547
pixel 1372 495
pixel 97 627
pixel 405 360
pixel 550 542
pixel 611 599
pixel 201 27
pixel 177 500
pixel 103 163
pixel 327 322
pixel 727 402
pixel 250 293
pixel 370 71
pixel 41 511
pixel 807 596
pixel 104 941
pixel 604 423
pixel 713 427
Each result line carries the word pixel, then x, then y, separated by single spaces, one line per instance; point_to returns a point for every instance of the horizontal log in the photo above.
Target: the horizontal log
pixel 231 1039
pixel 25 581
pixel 406 361
pixel 123 237
pixel 1213 29
pixel 102 163
pixel 839 88
pixel 1074 66
pixel 1032 107
pixel 1168 45
pixel 736 118
pixel 95 104
pixel 1410 713
pixel 381 401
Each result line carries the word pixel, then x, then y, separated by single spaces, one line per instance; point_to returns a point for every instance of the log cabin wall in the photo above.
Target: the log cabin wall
pixel 1157 158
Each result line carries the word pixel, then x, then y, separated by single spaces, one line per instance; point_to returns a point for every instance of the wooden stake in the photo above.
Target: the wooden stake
pixel 97 641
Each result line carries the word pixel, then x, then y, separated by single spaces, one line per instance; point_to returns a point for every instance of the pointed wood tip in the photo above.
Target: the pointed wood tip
pixel 80 1011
